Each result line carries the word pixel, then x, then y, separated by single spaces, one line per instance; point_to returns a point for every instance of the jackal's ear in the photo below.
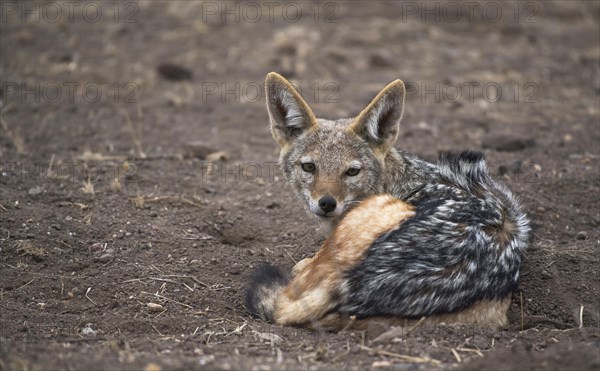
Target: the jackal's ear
pixel 379 123
pixel 289 114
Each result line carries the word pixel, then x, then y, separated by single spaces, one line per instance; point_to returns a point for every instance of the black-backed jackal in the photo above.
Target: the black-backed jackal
pixel 409 239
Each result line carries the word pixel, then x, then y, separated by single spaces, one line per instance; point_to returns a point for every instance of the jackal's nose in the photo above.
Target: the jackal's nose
pixel 327 204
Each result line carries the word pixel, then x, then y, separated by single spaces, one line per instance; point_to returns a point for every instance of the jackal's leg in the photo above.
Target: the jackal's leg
pixel 317 288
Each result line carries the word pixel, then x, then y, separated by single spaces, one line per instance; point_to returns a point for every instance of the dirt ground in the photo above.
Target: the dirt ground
pixel 105 206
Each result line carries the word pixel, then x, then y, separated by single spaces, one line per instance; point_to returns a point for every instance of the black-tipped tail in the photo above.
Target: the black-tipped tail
pixel 466 170
pixel 266 282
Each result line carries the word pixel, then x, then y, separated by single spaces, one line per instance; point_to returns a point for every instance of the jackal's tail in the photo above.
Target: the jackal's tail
pixel 468 170
pixel 265 285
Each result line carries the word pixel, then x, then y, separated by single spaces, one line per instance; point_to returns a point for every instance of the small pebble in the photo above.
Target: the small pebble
pixel 153 307
pixel 152 367
pixel 35 190
pixel 105 258
pixel 88 331
pixel 546 275
pixel 217 156
pixel 582 235
pixel 197 149
pixel 97 247
pixel 174 72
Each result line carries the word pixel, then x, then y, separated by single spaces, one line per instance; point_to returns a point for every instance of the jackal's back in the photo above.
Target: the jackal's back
pixel 463 245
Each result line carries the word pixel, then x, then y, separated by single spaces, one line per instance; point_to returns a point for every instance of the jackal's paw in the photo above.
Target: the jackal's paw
pixel 300 266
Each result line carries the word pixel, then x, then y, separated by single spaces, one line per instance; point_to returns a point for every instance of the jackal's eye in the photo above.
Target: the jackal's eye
pixel 353 171
pixel 309 167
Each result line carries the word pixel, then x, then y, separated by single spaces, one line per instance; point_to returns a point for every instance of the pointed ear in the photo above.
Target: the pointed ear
pixel 379 123
pixel 289 114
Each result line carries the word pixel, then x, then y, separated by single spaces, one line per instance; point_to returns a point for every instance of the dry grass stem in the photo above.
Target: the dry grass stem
pixel 167 299
pixel 476 351
pixel 88 187
pixel 87 297
pixel 20 287
pixel 419 322
pixel 14 137
pixel 456 355
pixel 136 131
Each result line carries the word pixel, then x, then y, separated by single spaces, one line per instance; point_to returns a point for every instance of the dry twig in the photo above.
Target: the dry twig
pixel 167 299
pixel 456 355
pixel 419 322
pixel 20 287
pixel 88 298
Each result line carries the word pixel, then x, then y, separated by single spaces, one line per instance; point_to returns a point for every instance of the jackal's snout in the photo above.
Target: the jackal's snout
pixel 327 204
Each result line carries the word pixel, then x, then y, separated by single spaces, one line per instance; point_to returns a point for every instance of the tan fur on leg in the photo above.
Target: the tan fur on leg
pixel 314 291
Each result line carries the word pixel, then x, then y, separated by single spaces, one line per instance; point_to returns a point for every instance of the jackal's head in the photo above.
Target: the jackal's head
pixel 332 164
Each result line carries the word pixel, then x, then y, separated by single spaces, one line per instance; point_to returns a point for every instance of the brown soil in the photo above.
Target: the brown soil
pixel 102 212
